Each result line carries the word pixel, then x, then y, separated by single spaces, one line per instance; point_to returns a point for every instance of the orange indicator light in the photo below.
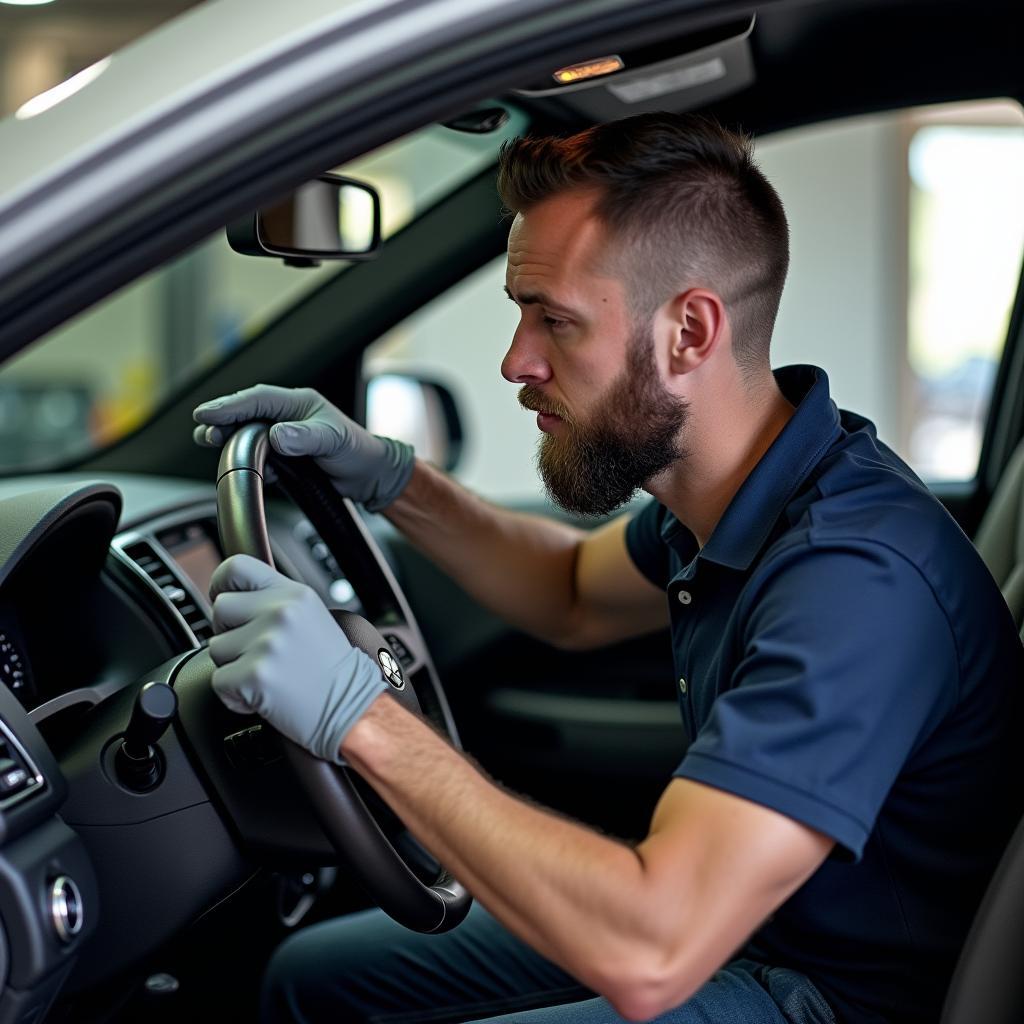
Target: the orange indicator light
pixel 588 69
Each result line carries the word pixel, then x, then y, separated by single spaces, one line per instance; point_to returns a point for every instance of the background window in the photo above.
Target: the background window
pixel 966 220
pixel 907 233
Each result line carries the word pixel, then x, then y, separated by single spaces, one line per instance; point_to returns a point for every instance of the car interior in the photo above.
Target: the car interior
pixel 150 886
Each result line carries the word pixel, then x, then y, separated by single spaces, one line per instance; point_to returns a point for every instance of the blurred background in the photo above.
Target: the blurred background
pixel 42 44
pixel 907 233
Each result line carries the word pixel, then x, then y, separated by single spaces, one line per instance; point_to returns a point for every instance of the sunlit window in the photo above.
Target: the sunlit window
pixel 907 230
pixel 966 224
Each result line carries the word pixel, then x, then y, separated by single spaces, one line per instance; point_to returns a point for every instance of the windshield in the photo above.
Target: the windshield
pixel 102 375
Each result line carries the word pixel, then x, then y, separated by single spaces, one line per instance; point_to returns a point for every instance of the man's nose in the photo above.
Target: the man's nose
pixel 525 361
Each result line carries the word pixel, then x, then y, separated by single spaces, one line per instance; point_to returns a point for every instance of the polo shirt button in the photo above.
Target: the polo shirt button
pixel 685 597
pixel 682 685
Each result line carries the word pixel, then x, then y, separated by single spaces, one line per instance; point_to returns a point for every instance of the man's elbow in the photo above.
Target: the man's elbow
pixel 645 999
pixel 638 1005
pixel 644 989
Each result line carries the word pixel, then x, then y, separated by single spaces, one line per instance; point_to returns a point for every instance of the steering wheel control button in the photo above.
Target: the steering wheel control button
pixel 401 652
pixel 342 591
pixel 66 910
pixel 390 667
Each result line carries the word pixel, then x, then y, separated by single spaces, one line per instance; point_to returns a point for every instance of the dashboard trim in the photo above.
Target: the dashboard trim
pixel 91 695
pixel 37 783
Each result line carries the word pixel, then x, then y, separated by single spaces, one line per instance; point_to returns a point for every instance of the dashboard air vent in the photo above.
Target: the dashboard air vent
pixel 145 557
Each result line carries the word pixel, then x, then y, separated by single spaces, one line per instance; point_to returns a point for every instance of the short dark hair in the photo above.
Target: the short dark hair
pixel 684 196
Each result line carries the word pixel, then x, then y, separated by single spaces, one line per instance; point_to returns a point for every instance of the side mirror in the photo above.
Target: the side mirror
pixel 329 218
pixel 421 413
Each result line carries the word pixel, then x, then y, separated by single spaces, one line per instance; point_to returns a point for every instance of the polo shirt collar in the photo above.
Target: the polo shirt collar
pixel 763 496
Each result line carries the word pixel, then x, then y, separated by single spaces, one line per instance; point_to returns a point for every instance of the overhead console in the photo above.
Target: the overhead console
pixel 677 74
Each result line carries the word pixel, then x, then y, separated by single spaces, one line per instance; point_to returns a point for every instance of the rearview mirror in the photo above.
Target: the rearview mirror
pixel 329 218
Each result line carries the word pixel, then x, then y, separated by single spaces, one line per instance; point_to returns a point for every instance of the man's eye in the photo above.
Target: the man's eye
pixel 554 323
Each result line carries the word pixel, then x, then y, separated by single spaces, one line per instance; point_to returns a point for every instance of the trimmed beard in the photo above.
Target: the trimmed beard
pixel 598 466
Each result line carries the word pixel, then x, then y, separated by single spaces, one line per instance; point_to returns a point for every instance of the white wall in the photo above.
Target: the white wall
pixel 844 306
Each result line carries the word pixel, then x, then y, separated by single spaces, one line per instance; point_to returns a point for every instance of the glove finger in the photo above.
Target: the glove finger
pixel 234 608
pixel 209 437
pixel 260 402
pixel 308 438
pixel 233 684
pixel 214 437
pixel 230 645
pixel 269 473
pixel 243 572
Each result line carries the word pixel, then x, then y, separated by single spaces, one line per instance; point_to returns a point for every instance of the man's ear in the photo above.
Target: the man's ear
pixel 698 326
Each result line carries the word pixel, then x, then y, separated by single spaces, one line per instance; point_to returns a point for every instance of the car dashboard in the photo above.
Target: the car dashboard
pixel 150 597
pixel 105 584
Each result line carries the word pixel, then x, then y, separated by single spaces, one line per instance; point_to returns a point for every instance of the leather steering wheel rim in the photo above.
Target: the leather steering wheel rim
pixel 344 817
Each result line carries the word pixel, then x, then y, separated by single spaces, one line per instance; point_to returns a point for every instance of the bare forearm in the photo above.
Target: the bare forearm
pixel 577 897
pixel 645 927
pixel 521 567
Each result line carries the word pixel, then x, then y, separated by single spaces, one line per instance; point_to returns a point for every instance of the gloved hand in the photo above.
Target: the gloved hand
pixel 364 467
pixel 280 654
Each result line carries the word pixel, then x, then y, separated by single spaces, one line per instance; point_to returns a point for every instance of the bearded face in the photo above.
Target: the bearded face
pixel 591 468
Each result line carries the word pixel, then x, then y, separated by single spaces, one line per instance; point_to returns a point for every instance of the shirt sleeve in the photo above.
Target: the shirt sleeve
pixel 848 664
pixel 644 544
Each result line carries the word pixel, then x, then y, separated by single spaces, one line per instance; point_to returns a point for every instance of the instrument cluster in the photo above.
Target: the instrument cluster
pixel 15 668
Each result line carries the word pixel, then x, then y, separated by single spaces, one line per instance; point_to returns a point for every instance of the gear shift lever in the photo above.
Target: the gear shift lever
pixel 137 763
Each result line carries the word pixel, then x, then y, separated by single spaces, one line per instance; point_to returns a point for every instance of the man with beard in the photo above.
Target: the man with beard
pixel 847 670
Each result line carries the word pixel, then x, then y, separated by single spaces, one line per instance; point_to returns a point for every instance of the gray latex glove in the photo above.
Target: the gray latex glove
pixel 279 653
pixel 364 467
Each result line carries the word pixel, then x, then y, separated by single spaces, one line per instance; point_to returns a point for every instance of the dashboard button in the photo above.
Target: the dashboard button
pixel 13 780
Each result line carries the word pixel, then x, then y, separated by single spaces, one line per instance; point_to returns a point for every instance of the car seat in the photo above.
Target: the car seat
pixel 988 984
pixel 1000 538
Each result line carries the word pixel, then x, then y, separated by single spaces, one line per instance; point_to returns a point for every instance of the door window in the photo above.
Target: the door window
pixel 102 375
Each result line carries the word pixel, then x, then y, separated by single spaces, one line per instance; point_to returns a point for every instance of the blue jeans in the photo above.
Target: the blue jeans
pixel 365 968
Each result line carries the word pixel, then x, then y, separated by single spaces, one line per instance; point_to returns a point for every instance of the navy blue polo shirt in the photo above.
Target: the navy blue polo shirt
pixel 844 657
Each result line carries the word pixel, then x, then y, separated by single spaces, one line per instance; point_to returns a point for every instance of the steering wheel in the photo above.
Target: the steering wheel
pixel 353 830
